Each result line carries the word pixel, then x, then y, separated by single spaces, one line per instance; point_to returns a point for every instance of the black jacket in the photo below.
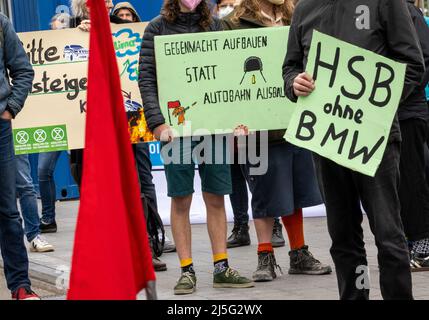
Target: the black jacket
pixel 185 23
pixel 416 105
pixel 391 33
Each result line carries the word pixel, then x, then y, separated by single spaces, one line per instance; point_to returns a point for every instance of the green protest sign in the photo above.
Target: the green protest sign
pixel 218 80
pixel 42 139
pixel 349 115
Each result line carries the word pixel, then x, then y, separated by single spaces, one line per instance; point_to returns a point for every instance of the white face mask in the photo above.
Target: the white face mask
pixel 223 12
pixel 277 2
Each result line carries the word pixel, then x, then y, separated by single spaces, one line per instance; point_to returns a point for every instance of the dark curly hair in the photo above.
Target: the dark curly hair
pixel 171 10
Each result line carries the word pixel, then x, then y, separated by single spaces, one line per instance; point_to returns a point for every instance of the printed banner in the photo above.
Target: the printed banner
pixel 349 115
pixel 213 82
pixel 58 95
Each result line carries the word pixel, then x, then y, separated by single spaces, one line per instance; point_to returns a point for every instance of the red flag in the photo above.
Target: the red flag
pixel 111 257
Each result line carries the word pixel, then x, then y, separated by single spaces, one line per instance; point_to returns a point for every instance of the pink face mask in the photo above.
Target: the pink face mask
pixel 191 4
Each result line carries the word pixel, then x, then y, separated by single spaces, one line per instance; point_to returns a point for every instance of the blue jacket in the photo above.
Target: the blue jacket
pixel 14 63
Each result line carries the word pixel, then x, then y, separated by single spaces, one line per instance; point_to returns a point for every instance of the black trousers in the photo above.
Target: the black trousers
pixel 414 189
pixel 344 191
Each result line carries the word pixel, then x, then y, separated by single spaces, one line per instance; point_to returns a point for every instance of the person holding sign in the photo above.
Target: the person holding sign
pixel 177 17
pixel 383 27
pixel 290 182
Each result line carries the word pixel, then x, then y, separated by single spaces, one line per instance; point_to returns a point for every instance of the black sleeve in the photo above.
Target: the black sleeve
pixel 294 60
pixel 423 36
pixel 147 77
pixel 402 41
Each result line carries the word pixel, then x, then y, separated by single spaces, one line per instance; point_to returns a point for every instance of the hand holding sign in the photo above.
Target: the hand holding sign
pixel 303 85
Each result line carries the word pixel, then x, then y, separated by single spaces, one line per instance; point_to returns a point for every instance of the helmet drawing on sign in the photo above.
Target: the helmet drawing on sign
pixel 253 64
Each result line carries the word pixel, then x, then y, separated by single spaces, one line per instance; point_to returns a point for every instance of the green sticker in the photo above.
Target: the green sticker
pixel 40 139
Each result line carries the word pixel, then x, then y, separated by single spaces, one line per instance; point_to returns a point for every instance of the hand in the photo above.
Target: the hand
pixel 163 133
pixel 303 85
pixel 241 130
pixel 85 25
pixel 6 115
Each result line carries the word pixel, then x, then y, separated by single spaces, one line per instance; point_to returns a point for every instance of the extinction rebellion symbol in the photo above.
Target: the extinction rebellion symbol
pixel 22 137
pixel 57 134
pixel 39 135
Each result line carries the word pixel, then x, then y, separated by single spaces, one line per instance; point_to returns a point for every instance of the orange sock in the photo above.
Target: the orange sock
pixel 265 247
pixel 294 225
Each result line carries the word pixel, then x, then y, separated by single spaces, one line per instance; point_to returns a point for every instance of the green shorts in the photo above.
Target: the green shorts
pixel 215 175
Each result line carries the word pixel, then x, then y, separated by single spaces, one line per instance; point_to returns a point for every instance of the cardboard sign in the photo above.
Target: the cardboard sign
pixel 212 82
pixel 57 102
pixel 349 115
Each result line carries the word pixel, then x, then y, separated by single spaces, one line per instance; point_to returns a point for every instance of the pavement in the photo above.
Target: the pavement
pixel 50 271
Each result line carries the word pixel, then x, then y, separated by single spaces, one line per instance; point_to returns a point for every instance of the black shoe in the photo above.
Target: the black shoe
pixel 420 262
pixel 303 262
pixel 266 270
pixel 277 239
pixel 158 265
pixel 48 227
pixel 239 237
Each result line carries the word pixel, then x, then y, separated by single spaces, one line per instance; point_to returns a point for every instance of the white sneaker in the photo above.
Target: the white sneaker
pixel 39 244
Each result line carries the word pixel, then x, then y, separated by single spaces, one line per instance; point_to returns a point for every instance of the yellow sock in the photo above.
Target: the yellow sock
pixel 185 262
pixel 220 256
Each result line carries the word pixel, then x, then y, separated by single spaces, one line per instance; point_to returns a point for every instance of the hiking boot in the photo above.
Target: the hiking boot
pixel 239 237
pixel 158 265
pixel 39 244
pixel 266 267
pixel 230 278
pixel 277 239
pixel 186 284
pixel 303 262
pixel 420 263
pixel 47 227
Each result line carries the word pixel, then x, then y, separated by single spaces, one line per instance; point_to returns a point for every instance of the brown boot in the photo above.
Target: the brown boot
pixel 158 265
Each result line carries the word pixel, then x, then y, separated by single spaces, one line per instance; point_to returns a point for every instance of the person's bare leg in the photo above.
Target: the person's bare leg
pixel 264 229
pixel 216 221
pixel 181 226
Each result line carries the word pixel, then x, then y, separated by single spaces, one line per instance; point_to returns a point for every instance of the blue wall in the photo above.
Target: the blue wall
pixel 31 15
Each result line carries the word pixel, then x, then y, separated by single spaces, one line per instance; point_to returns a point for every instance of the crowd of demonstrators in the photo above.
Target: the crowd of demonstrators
pixel 413 189
pixel 343 189
pixel 178 17
pixel 16 67
pixel 290 182
pixel 396 200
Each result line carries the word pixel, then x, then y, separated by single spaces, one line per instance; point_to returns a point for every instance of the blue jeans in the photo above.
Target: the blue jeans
pixel 12 246
pixel 48 194
pixel 27 197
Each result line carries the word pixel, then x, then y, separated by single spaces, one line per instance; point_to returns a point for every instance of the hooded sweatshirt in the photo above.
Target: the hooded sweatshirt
pixel 126 5
pixel 381 26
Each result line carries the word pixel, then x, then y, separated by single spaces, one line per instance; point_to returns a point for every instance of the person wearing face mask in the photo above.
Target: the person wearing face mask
pixel 225 7
pixel 179 17
pixel 290 182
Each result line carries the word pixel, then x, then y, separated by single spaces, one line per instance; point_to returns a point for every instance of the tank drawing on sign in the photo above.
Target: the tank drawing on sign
pixel 253 64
